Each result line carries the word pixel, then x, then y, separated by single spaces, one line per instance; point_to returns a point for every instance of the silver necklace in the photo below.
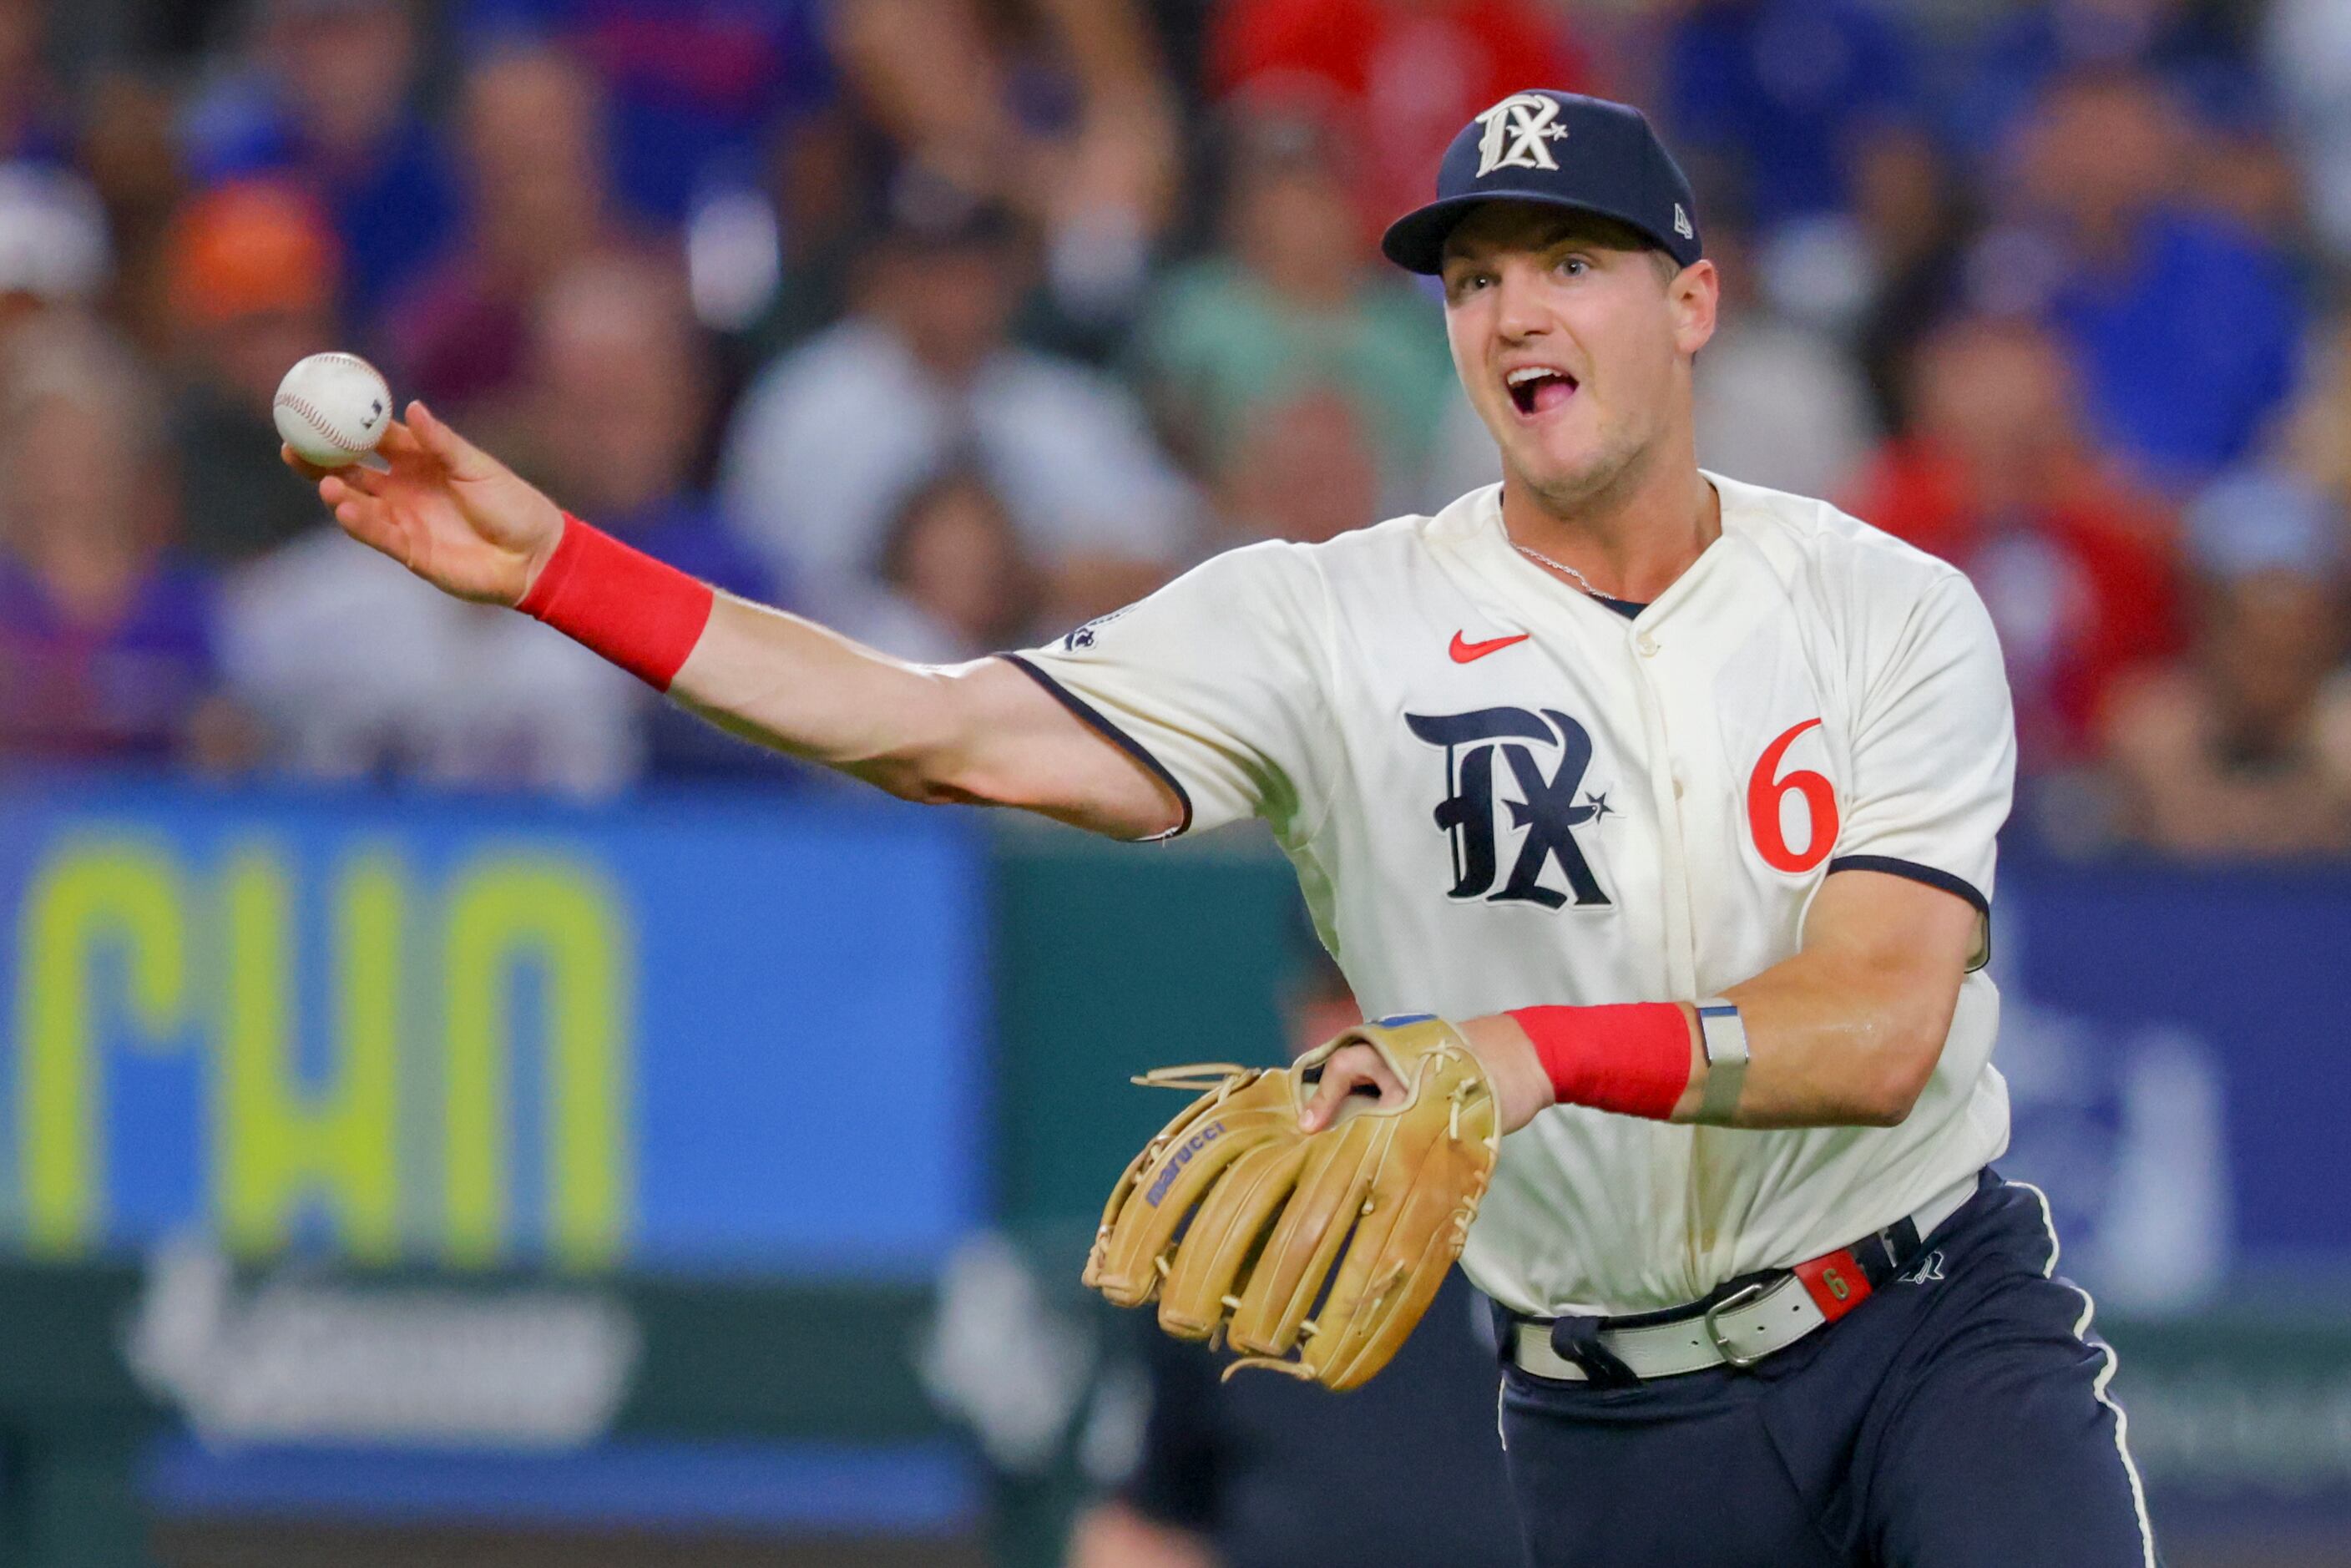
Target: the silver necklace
pixel 1561 567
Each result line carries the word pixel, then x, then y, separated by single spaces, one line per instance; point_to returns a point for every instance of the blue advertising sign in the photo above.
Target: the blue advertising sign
pixel 2170 1038
pixel 482 1031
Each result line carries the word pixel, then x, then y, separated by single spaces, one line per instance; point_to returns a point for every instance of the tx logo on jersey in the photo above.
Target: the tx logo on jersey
pixel 1547 808
pixel 1516 131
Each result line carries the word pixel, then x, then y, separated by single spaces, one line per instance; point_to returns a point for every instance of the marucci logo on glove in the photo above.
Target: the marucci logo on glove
pixel 1183 1157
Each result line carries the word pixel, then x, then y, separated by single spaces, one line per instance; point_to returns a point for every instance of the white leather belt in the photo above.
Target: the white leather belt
pixel 1738 1331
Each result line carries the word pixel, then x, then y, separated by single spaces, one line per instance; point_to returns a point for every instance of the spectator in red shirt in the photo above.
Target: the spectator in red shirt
pixel 2242 746
pixel 1995 476
pixel 1407 73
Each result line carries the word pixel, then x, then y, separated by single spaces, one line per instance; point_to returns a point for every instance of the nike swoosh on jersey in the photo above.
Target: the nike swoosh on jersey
pixel 1463 651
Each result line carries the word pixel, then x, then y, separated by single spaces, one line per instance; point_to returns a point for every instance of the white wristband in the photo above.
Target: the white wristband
pixel 1723 1034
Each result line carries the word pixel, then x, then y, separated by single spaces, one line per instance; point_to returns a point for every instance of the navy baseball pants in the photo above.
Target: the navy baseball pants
pixel 1957 1418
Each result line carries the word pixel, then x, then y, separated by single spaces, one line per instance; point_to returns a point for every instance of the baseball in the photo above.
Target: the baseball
pixel 331 409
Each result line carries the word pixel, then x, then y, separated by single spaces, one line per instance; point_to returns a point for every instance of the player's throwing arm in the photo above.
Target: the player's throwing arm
pixel 468 523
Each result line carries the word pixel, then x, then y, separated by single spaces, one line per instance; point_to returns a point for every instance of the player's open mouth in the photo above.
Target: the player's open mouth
pixel 1538 389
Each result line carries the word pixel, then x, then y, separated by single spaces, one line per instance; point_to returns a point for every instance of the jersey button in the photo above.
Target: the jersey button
pixel 1646 644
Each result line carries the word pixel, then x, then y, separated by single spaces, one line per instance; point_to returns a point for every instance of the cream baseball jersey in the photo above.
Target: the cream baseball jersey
pixel 1501 792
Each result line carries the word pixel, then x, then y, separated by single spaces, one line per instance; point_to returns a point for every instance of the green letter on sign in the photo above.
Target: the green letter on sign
pixel 505 914
pixel 89 896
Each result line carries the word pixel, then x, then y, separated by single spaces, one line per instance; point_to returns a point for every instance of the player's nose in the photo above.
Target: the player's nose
pixel 1520 310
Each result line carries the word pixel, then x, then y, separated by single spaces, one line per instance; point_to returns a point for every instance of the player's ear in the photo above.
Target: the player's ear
pixel 1693 296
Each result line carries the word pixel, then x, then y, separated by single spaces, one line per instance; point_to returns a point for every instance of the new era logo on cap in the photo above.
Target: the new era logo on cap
pixel 1560 149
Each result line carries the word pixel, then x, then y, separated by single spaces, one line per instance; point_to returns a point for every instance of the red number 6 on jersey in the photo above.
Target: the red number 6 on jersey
pixel 1766 789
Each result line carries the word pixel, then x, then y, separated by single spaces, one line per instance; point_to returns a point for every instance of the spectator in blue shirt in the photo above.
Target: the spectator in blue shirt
pixel 616 388
pixel 326 101
pixel 35 114
pixel 1775 92
pixel 2185 326
pixel 697 90
pixel 106 638
pixel 2019 56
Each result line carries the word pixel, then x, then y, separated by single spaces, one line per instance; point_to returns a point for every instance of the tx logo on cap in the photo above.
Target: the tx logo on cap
pixel 1516 129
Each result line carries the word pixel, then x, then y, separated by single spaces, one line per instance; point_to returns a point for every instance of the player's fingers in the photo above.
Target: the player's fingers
pixel 1324 1104
pixel 302 465
pixel 364 478
pixel 343 484
pixel 399 440
pixel 463 457
pixel 369 521
pixel 1376 1070
pixel 1349 1069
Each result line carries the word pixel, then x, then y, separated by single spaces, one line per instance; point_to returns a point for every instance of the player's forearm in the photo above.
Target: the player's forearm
pixel 981 732
pixel 1825 1050
pixel 790 684
pixel 1833 1040
pixel 1845 1032
pixel 774 678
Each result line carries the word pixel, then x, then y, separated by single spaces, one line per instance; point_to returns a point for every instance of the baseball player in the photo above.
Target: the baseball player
pixel 1674 797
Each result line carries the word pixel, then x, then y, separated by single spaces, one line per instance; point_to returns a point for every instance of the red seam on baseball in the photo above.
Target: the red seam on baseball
pixel 318 420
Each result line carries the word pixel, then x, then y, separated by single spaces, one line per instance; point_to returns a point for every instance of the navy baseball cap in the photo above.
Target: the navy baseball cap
pixel 1563 150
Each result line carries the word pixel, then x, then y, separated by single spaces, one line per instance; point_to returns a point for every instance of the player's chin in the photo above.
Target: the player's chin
pixel 1558 468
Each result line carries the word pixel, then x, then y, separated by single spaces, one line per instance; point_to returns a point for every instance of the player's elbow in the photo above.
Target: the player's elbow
pixel 927 746
pixel 1903 1067
pixel 932 774
pixel 910 779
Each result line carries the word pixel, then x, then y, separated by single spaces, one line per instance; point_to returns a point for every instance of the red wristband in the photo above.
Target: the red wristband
pixel 1631 1058
pixel 619 602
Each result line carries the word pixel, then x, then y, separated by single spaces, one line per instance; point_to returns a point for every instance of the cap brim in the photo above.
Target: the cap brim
pixel 1415 241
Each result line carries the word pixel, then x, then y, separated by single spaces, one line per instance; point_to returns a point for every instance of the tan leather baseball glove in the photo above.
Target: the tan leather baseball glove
pixel 1329 1245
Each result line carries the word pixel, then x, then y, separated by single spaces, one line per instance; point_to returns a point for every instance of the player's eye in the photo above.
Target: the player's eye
pixel 1575 265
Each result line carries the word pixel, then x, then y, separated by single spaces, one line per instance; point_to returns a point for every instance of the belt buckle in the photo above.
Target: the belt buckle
pixel 1738 1298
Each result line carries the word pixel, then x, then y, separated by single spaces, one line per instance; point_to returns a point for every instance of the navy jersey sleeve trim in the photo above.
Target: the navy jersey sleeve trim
pixel 1090 717
pixel 1891 866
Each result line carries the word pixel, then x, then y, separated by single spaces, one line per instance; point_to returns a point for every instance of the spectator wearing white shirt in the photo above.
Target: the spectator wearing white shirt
pixel 360 672
pixel 831 438
pixel 1780 403
pixel 2306 47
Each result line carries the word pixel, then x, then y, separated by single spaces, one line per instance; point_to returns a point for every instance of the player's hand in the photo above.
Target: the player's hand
pixel 1521 1087
pixel 445 509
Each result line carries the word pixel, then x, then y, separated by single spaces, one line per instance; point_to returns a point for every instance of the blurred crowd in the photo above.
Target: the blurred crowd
pixel 953 322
